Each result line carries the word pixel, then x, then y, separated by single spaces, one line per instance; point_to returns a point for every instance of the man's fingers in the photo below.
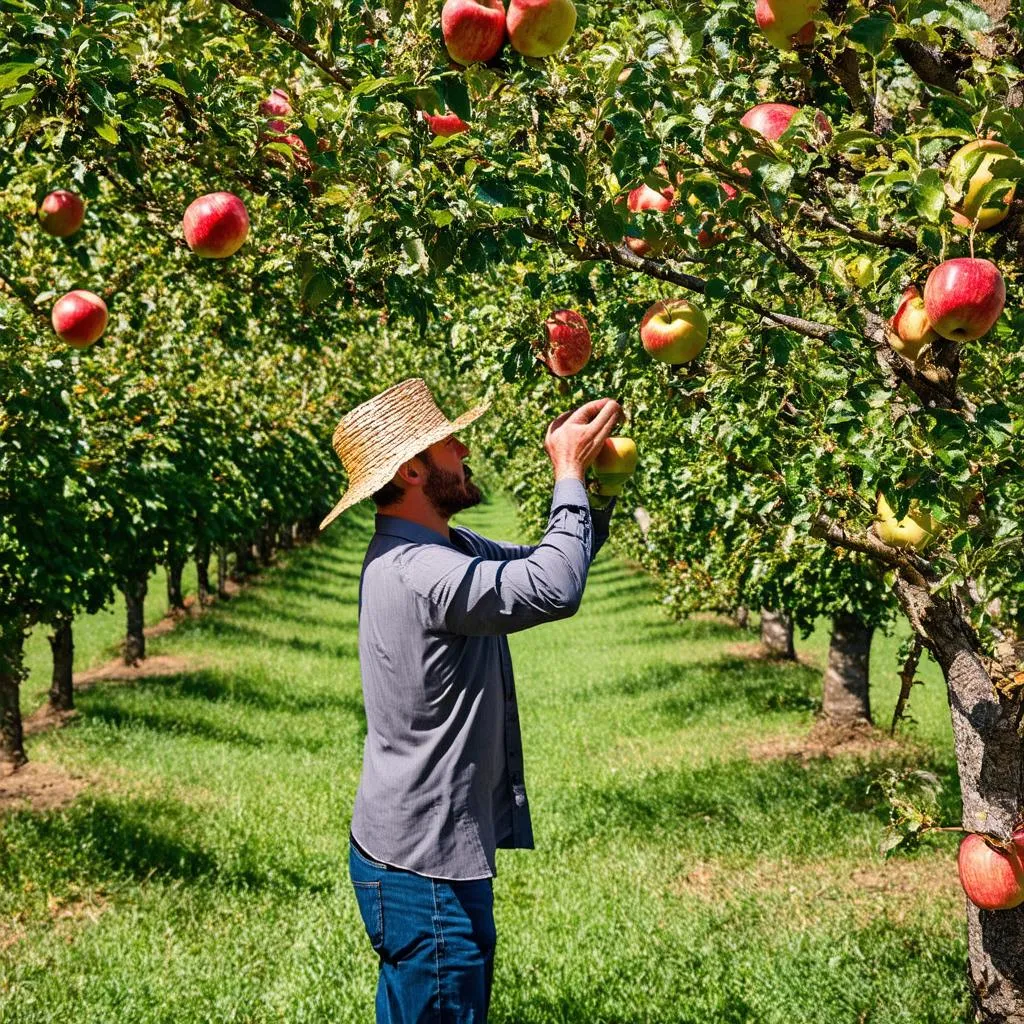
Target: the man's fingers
pixel 556 423
pixel 585 413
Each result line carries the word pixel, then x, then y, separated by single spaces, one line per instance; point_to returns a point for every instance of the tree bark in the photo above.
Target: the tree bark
pixel 175 596
pixel 990 761
pixel 222 571
pixel 12 646
pixel 62 644
pixel 243 560
pixel 266 544
pixel 134 591
pixel 777 634
pixel 846 699
pixel 284 538
pixel 203 572
pixel 741 616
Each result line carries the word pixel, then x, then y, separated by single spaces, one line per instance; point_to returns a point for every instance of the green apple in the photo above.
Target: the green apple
pixel 538 28
pixel 968 173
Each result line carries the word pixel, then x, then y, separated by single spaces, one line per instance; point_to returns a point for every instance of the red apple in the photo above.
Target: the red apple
pixel 674 331
pixel 61 213
pixel 276 104
pixel 445 124
pixel 644 199
pixel 706 239
pixel 772 119
pixel 992 878
pixel 473 30
pixel 537 28
pixel 568 343
pixel 911 330
pixel 785 22
pixel 964 297
pixel 79 318
pixel 216 225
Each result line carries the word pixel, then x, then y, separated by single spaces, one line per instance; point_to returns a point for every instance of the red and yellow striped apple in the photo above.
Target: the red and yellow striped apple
pixel 674 331
pixel 910 329
pixel 964 298
pixel 445 124
pixel 216 225
pixel 568 344
pixel 473 30
pixel 992 878
pixel 61 213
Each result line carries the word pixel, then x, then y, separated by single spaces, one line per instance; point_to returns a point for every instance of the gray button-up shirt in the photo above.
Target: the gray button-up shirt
pixel 442 784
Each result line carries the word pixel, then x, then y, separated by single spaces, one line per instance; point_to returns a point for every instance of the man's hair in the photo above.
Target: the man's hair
pixel 392 492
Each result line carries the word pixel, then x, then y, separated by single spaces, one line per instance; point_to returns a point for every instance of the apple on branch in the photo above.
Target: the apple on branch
pixel 967 178
pixel 539 28
pixel 915 530
pixel 277 104
pixel 910 330
pixel 646 199
pixel 964 298
pixel 787 23
pixel 473 30
pixel 568 344
pixel 770 120
pixel 705 238
pixel 61 213
pixel 992 878
pixel 674 331
pixel 279 134
pixel 216 225
pixel 444 125
pixel 79 318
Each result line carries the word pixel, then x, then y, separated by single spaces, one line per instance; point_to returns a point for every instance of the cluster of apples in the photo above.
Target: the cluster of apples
pixel 475 31
pixel 992 877
pixel 963 298
pixel 276 107
pixel 215 226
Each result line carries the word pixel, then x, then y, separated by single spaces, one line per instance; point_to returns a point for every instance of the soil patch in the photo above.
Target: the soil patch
pixel 756 651
pixel 825 740
pixel 117 671
pixel 38 786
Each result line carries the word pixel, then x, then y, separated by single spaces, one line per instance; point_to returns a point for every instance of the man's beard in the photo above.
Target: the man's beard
pixel 448 494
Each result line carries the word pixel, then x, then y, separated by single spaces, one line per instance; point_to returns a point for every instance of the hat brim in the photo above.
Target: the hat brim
pixel 417 444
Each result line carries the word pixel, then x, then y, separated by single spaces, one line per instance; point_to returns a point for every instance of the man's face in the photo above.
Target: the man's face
pixel 448 487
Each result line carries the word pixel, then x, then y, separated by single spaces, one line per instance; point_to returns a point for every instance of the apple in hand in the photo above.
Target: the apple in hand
pixel 79 318
pixel 992 878
pixel 910 329
pixel 964 297
pixel 216 225
pixel 915 530
pixel 537 28
pixel 976 159
pixel 787 22
pixel 473 30
pixel 445 124
pixel 614 465
pixel 568 343
pixel 674 331
pixel 61 213
pixel 772 119
pixel 277 104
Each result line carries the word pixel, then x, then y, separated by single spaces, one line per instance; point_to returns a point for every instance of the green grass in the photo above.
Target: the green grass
pixel 677 878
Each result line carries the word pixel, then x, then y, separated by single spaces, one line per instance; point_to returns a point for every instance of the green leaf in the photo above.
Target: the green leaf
pixel 10 73
pixel 19 98
pixel 167 83
pixel 929 196
pixel 279 10
pixel 717 288
pixel 871 33
pixel 108 131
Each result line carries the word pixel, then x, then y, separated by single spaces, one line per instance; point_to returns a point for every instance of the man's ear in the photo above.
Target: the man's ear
pixel 412 473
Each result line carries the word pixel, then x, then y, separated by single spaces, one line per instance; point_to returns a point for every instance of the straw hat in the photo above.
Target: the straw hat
pixel 375 438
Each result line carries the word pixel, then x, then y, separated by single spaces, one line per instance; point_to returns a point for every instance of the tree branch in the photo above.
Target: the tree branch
pixel 16 289
pixel 887 241
pixel 294 40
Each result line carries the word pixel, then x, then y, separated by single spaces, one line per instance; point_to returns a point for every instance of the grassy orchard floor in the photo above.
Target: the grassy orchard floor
pixel 686 870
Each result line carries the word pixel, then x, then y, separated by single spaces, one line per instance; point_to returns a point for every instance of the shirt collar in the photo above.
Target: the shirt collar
pixel 396 526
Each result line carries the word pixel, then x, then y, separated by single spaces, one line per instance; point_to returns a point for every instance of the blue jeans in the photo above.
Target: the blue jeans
pixel 435 940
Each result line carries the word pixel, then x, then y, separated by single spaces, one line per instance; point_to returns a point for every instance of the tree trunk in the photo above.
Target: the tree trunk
pixel 12 645
pixel 243 560
pixel 62 644
pixel 741 616
pixel 777 634
pixel 284 538
pixel 846 700
pixel 134 591
pixel 222 571
pixel 203 572
pixel 266 544
pixel 990 761
pixel 175 597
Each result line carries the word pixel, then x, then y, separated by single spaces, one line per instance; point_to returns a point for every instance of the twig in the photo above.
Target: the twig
pixel 906 683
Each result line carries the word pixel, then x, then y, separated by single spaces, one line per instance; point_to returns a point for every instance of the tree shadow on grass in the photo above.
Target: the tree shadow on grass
pixel 697 688
pixel 232 630
pixel 101 839
pixel 724 807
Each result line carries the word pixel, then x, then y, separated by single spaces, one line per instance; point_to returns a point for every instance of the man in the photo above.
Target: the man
pixel 442 784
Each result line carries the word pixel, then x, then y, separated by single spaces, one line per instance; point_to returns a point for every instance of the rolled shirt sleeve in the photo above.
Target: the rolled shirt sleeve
pixel 474 596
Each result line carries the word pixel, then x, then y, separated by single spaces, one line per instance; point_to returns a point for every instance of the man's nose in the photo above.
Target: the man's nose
pixel 463 450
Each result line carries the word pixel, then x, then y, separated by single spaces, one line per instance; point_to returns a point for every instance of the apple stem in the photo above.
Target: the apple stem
pixel 970 240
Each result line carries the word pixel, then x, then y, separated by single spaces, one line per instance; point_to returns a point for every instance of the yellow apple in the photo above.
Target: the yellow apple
pixel 915 530
pixel 614 465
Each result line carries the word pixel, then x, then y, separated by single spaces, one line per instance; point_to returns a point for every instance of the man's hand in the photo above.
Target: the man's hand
pixel 574 438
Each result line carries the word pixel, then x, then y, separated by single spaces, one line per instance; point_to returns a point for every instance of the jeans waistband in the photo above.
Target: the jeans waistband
pixel 367 856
